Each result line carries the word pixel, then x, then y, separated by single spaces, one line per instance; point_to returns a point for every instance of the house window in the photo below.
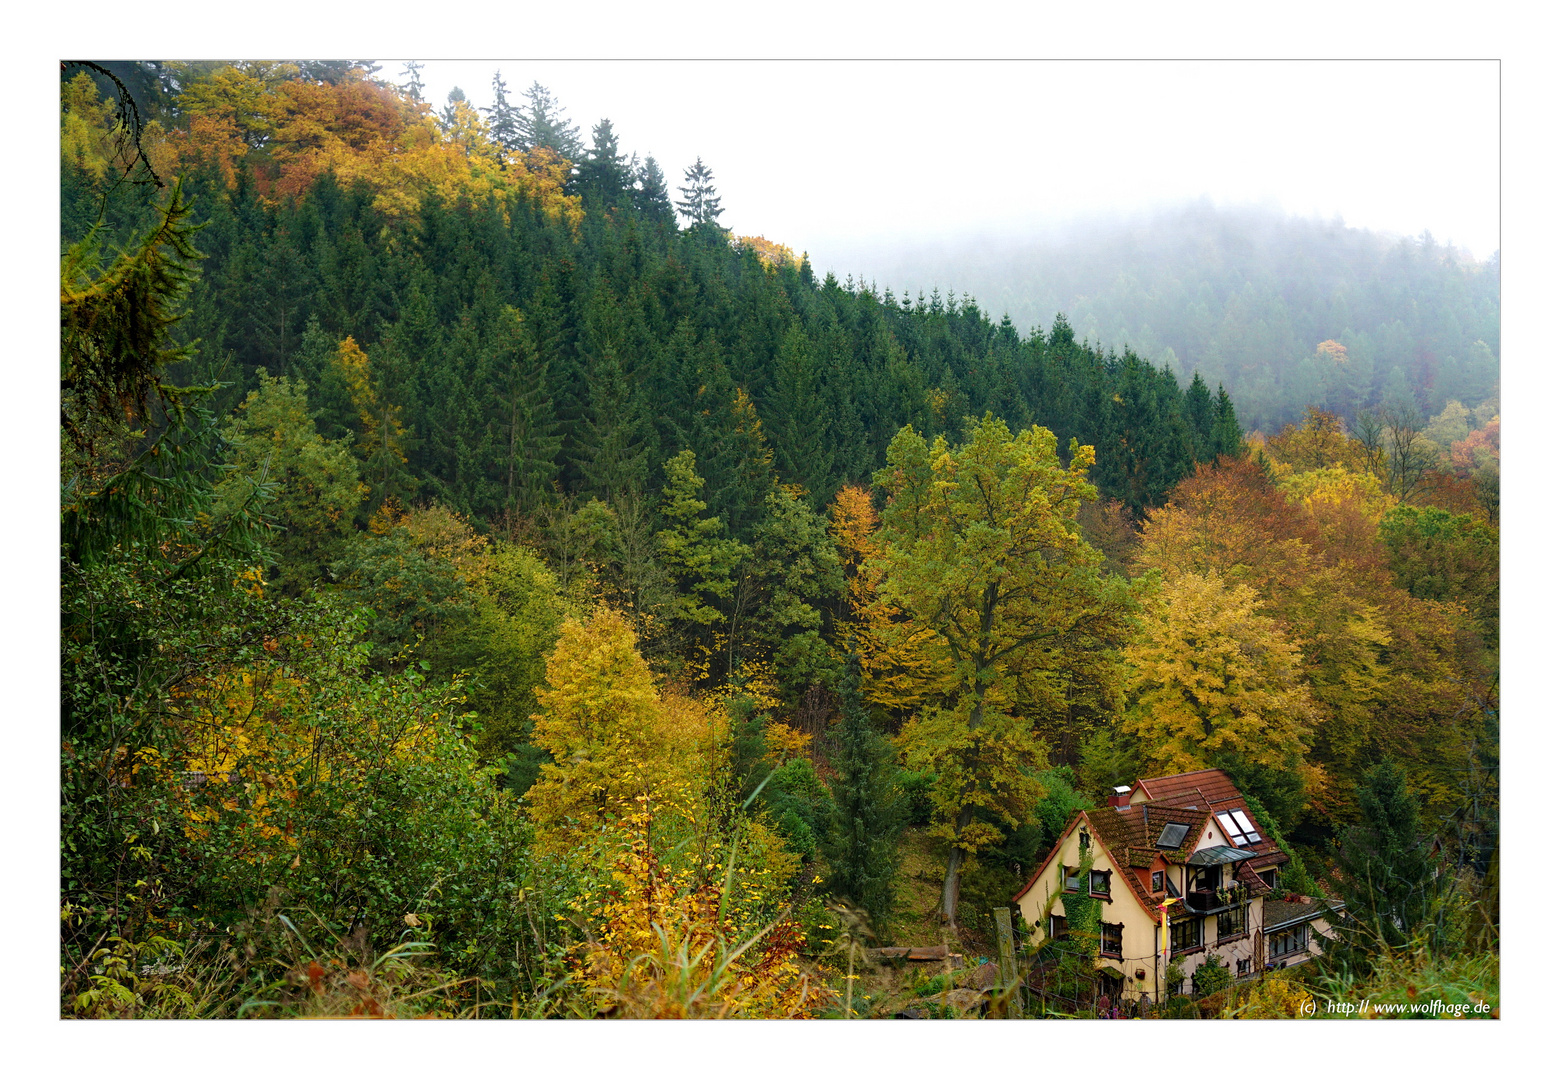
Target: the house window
pixel 1070 876
pixel 1159 880
pixel 1243 967
pixel 1186 934
pixel 1110 939
pixel 1099 883
pixel 1288 942
pixel 1058 927
pixel 1083 840
pixel 1232 923
pixel 1206 878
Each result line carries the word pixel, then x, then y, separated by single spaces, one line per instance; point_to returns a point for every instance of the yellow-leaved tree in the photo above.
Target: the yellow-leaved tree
pixel 902 662
pixel 1214 683
pixel 617 742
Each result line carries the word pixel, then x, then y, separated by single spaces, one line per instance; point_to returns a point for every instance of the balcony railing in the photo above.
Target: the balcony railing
pixel 1212 901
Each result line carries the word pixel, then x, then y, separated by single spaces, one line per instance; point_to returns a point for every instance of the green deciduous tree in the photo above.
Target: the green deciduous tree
pixel 983 551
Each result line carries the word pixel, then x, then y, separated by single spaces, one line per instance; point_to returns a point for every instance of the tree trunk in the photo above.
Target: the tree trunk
pixel 950 893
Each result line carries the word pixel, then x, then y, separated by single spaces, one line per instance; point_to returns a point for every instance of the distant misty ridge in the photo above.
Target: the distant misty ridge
pixel 1243 295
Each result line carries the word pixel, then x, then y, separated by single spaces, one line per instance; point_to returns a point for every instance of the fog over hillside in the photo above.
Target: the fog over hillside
pixel 1244 294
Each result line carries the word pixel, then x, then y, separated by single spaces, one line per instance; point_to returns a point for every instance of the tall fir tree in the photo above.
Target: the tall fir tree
pixel 504 120
pixel 650 195
pixel 605 174
pixel 862 844
pixel 544 123
pixel 1392 880
pixel 1197 407
pixel 699 203
pixel 1226 441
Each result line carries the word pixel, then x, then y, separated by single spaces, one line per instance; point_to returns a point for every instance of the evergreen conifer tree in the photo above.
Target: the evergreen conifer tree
pixel 504 119
pixel 650 195
pixel 1226 441
pixel 412 87
pixel 1391 878
pixel 544 123
pixel 862 845
pixel 605 174
pixel 699 203
pixel 1198 410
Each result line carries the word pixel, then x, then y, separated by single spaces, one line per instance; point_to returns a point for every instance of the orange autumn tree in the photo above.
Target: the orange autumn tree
pixel 1385 671
pixel 287 132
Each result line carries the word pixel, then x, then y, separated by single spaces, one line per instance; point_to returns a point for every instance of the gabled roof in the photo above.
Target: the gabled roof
pixel 1129 834
pixel 1080 816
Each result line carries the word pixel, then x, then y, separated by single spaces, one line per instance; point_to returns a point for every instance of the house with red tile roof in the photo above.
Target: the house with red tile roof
pixel 1184 876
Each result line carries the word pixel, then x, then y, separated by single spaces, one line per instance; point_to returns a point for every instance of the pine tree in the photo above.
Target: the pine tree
pixel 614 433
pixel 862 845
pixel 449 116
pixel 699 203
pixel 522 423
pixel 693 549
pixel 412 86
pixel 1199 412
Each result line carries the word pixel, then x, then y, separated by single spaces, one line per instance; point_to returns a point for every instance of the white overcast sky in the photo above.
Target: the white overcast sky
pixel 840 156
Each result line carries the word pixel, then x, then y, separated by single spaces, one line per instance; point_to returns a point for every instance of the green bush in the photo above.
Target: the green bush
pixel 1210 978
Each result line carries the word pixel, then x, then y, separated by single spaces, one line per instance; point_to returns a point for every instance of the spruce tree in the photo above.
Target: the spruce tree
pixel 650 195
pixel 695 551
pixel 504 119
pixel 699 203
pixel 1197 408
pixel 545 124
pixel 1226 440
pixel 605 174
pixel 1392 881
pixel 869 807
pixel 413 86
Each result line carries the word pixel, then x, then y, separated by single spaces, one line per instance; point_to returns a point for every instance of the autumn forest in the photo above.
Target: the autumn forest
pixel 489 587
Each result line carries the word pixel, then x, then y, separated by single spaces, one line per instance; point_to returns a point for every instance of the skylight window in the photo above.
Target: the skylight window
pixel 1239 827
pixel 1171 836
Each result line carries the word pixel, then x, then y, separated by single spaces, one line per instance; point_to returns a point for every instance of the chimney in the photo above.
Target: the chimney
pixel 1119 797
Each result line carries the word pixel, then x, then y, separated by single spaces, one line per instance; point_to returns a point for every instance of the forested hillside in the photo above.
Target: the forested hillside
pixel 491 587
pixel 1244 296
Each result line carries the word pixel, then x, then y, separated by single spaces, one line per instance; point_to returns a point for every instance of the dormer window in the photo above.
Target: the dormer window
pixel 1158 881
